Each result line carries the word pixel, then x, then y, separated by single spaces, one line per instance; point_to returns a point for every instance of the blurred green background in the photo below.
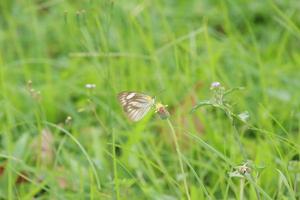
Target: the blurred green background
pixel 169 49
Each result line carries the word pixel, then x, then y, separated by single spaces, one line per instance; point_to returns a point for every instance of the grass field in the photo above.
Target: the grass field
pixel 60 139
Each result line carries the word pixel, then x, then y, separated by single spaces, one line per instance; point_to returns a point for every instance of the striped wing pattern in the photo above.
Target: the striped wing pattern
pixel 135 105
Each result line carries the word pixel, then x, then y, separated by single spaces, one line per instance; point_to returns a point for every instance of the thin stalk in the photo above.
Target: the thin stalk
pixel 236 135
pixel 232 117
pixel 242 185
pixel 116 180
pixel 179 158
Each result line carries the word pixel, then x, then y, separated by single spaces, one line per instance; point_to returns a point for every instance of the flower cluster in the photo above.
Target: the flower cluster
pixel 218 93
pixel 242 170
pixel 161 110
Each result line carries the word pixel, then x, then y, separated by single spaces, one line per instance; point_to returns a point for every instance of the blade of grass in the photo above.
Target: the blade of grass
pixel 179 158
pixel 81 148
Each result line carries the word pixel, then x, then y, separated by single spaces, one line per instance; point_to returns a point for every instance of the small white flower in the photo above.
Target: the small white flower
pixel 90 86
pixel 215 85
pixel 244 116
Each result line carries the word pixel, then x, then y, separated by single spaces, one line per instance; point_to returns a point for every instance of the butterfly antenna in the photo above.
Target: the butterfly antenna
pixel 160 91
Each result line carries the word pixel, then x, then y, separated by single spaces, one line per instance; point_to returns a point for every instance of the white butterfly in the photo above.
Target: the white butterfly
pixel 135 105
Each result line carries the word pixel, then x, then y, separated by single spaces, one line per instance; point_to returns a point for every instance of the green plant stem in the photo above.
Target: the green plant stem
pixel 236 135
pixel 179 158
pixel 242 184
pixel 116 180
pixel 232 118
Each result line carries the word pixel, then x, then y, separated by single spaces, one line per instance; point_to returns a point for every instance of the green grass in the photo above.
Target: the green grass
pixel 169 49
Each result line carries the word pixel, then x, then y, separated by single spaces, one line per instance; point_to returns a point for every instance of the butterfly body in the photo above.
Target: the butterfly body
pixel 136 105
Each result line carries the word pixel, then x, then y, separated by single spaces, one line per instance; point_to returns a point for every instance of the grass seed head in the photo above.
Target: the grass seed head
pixel 36 95
pixel 68 120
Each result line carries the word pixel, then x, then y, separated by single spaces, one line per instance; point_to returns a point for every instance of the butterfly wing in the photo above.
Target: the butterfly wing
pixel 135 105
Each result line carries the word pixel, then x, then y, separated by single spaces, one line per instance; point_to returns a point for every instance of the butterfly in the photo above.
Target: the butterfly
pixel 136 105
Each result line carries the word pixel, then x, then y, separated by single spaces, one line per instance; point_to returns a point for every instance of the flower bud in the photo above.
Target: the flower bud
pixel 161 110
pixel 215 85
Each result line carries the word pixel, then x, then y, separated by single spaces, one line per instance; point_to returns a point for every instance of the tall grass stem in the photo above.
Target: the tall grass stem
pixel 179 158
